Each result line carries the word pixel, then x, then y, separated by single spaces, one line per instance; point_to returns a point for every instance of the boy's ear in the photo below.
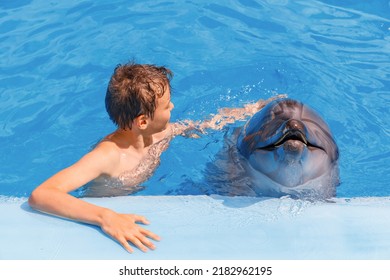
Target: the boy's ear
pixel 142 121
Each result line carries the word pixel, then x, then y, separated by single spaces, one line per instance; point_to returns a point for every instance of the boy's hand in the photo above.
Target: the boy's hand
pixel 124 229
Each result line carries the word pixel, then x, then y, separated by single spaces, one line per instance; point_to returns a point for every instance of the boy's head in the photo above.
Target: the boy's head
pixel 133 91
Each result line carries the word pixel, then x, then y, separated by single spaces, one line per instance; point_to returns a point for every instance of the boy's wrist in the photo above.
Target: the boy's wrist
pixel 104 216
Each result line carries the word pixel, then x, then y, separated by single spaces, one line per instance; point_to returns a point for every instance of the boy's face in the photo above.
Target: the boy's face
pixel 163 112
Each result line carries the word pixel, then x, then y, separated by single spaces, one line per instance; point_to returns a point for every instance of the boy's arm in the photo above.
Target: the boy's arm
pixel 52 197
pixel 222 118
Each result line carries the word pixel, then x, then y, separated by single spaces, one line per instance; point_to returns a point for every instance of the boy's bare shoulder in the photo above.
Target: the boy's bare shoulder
pixel 104 158
pixel 107 148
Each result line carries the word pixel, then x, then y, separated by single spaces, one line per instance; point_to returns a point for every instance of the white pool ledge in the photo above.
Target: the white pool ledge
pixel 202 227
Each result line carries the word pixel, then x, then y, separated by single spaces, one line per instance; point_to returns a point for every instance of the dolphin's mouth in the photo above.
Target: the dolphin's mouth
pixel 293 134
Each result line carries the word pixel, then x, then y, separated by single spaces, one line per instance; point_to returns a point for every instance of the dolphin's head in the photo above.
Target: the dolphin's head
pixel 289 143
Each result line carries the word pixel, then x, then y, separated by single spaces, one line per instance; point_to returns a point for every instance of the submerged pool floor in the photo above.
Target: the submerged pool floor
pixel 204 227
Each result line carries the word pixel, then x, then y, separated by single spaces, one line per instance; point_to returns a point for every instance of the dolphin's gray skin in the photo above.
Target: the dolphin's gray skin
pixel 288 149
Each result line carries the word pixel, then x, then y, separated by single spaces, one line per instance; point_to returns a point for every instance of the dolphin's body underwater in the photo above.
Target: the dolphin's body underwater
pixel 290 150
pixel 285 149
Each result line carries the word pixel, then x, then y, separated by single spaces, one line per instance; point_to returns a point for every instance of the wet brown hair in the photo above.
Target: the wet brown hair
pixel 133 91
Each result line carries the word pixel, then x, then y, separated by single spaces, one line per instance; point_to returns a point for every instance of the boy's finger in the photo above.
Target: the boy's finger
pixel 140 219
pixel 145 241
pixel 126 245
pixel 138 243
pixel 150 234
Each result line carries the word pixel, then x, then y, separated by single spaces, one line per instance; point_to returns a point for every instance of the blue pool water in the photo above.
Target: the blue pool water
pixel 56 58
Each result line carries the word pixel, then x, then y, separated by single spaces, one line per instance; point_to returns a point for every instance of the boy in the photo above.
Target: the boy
pixel 138 101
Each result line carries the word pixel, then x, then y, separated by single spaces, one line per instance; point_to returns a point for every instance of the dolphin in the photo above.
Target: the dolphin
pixel 288 149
